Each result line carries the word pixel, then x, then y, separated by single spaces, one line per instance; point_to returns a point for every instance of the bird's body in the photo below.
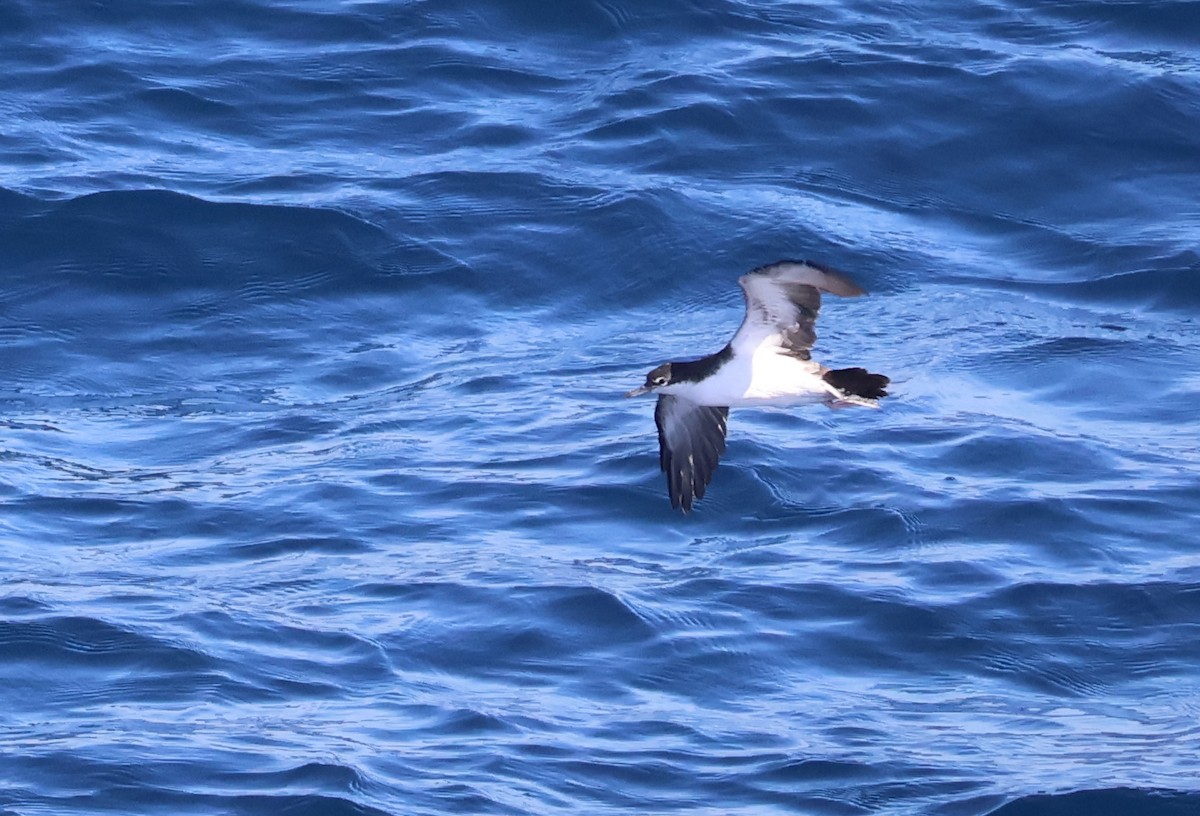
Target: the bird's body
pixel 766 362
pixel 769 378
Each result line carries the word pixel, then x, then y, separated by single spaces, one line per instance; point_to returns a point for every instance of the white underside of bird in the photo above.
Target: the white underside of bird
pixel 772 378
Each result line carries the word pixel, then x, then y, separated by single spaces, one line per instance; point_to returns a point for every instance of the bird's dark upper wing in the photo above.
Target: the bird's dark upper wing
pixel 782 302
pixel 691 439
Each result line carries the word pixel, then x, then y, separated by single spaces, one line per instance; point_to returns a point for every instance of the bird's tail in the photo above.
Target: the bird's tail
pixel 858 382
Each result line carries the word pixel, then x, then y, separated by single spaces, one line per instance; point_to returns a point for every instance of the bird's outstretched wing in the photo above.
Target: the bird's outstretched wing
pixel 782 301
pixel 691 439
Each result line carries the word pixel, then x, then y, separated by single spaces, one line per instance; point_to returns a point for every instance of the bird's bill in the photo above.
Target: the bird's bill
pixel 637 392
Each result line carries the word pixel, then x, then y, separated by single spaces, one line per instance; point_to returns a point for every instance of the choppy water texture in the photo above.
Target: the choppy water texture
pixel 320 497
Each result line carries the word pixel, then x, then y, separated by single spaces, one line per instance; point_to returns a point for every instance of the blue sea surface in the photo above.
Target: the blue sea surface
pixel 318 493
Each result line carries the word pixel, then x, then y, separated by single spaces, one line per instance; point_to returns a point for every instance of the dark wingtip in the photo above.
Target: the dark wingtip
pixel 683 491
pixel 858 382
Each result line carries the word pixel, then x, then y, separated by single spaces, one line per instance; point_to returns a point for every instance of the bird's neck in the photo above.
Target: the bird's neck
pixel 696 370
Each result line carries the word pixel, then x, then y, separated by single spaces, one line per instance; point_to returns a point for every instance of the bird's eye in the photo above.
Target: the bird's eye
pixel 660 380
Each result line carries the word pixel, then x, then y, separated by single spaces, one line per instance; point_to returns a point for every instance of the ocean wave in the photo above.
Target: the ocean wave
pixel 149 241
pixel 320 494
pixel 1109 802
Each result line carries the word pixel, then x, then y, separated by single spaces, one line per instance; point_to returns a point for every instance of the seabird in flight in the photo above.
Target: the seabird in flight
pixel 766 362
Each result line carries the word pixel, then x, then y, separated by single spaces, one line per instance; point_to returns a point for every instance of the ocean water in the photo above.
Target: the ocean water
pixel 318 494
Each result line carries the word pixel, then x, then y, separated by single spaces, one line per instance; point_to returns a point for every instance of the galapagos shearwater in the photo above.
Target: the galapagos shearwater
pixel 766 362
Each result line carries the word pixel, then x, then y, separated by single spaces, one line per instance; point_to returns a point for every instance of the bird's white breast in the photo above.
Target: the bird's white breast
pixel 765 377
